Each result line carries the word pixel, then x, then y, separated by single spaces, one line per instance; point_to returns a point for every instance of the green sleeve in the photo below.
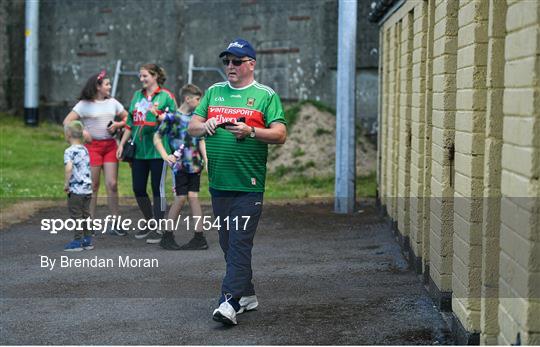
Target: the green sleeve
pixel 202 109
pixel 274 111
pixel 129 121
pixel 171 104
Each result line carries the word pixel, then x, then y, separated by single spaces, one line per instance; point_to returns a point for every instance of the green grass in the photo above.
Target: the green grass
pixel 31 167
pixel 298 152
pixel 30 159
pixel 299 186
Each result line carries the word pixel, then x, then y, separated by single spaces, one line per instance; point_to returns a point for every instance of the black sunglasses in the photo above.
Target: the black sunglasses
pixel 235 62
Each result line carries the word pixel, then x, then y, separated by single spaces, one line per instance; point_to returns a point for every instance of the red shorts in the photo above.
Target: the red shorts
pixel 102 151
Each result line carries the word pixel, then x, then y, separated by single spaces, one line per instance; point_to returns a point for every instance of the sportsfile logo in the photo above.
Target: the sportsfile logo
pixel 54 225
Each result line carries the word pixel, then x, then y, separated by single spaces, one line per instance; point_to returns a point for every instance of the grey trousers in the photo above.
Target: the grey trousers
pixel 79 208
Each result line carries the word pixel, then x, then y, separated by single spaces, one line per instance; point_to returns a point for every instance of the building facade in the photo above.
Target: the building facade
pixel 459 157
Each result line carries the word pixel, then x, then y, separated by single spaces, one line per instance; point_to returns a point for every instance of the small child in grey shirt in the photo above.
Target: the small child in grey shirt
pixel 78 185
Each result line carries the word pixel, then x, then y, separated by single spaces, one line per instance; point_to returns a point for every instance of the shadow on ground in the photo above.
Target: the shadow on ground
pixel 321 278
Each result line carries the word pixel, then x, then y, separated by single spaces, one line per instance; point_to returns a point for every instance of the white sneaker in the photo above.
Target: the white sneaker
pixel 225 313
pixel 247 303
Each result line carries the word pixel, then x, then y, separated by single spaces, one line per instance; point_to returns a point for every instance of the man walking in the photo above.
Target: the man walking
pixel 241 117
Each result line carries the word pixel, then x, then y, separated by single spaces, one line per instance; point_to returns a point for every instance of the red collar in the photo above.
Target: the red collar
pixel 158 89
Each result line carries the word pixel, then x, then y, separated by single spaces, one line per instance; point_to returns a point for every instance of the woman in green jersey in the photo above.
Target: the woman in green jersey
pixel 146 111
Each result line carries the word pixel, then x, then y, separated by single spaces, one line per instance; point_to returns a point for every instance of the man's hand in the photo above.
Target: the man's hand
pixel 199 126
pixel 241 130
pixel 210 126
pixel 66 187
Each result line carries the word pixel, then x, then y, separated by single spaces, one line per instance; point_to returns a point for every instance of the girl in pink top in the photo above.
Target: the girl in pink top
pixel 97 109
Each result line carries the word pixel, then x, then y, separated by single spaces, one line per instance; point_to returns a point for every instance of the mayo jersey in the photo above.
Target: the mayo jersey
pixel 143 123
pixel 239 165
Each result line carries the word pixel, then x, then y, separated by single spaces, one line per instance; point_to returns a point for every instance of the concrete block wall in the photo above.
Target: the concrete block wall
pixel 388 109
pixel 489 326
pixel 445 32
pixel 469 161
pixel 384 146
pixel 398 95
pixel 4 57
pixel 460 97
pixel 392 123
pixel 381 117
pixel 428 146
pixel 519 281
pixel 418 130
pixel 79 38
pixel 12 56
pixel 404 136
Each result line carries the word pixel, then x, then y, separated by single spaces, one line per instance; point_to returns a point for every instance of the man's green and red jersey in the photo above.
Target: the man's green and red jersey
pixel 143 123
pixel 239 165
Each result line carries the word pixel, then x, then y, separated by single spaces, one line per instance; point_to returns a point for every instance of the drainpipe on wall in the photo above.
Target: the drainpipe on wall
pixel 345 183
pixel 31 63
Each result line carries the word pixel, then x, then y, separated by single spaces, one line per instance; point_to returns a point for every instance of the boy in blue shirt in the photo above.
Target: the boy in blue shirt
pixel 187 159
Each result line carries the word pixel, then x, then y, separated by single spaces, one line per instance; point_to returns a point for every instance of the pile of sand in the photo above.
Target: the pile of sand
pixel 310 147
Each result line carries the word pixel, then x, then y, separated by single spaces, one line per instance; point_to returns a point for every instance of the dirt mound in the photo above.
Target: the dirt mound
pixel 310 147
